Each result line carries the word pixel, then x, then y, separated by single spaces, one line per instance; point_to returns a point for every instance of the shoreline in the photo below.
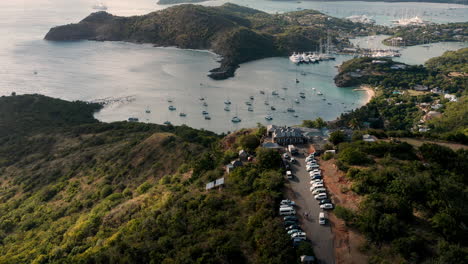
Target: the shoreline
pixel 369 91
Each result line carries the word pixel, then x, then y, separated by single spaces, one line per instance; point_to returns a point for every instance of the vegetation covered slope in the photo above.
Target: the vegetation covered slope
pixel 130 193
pixel 239 34
pixel 414 201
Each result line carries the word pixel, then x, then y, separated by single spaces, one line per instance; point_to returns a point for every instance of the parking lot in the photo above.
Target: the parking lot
pixel 308 210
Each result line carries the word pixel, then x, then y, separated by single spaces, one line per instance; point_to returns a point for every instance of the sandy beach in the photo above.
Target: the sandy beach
pixel 369 91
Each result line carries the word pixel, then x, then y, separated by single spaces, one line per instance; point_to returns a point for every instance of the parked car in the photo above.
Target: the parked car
pixel 319 190
pixel 291 227
pixel 287 211
pixel 290 218
pixel 288 202
pixel 299 235
pixel 286 165
pixel 296 241
pixel 312 182
pixel 292 231
pixel 286 156
pixel 318 185
pixel 324 201
pixel 293 160
pixel 321 196
pixel 316 177
pixel 322 218
pixel 326 206
pixel 289 174
pixel 288 223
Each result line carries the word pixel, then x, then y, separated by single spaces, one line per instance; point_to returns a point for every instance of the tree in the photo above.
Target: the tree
pixel 249 142
pixel 268 158
pixel 337 137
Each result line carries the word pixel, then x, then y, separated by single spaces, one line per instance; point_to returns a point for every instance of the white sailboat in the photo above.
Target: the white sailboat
pixel 236 119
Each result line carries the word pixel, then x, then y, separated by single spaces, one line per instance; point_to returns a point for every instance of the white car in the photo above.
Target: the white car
pixel 312 182
pixel 322 218
pixel 313 173
pixel 293 231
pixel 326 206
pixel 321 196
pixel 319 190
pixel 318 185
pixel 299 235
pixel 312 167
pixel 311 162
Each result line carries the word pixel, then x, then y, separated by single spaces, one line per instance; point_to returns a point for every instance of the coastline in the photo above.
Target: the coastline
pixel 369 91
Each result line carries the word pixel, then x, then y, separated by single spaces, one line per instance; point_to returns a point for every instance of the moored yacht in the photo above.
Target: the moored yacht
pixel 182 114
pixel 172 108
pixel 268 117
pixel 236 119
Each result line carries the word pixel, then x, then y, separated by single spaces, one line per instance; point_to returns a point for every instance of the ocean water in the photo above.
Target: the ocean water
pixel 86 70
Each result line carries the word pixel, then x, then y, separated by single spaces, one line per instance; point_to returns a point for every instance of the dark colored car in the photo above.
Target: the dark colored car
pixel 316 177
pixel 290 218
pixel 289 223
pixel 294 226
pixel 324 201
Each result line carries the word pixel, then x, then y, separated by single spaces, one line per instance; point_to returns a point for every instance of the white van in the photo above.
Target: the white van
pixel 322 218
pixel 289 174
pixel 287 211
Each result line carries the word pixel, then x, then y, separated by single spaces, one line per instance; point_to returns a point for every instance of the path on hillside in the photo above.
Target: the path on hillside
pixel 320 236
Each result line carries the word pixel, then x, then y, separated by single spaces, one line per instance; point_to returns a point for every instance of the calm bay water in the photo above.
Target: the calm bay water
pixel 93 70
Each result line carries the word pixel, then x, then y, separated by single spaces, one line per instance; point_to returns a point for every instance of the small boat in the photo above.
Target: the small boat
pixel 297 80
pixel 296 101
pixel 296 115
pixel 313 89
pixel 227 109
pixel 133 119
pixel 267 103
pixel 268 118
pixel 204 112
pixel 302 96
pixel 205 104
pixel 236 119
pixel 329 103
pixel 207 117
pixel 319 93
pixel 262 92
pixel 202 99
pixel 250 109
pixel 290 109
pixel 301 93
pixel 182 114
pixel 251 97
pixel 282 98
pixel 167 123
pixel 274 93
pixel 324 99
pixel 147 111
pixel 285 88
pixel 169 100
pixel 273 108
pixel 248 103
pixel 227 102
pixel 172 108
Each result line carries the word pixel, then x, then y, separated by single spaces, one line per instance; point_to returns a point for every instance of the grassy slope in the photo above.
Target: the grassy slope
pixel 127 193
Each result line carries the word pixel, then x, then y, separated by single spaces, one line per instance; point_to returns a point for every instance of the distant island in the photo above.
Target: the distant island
pixel 170 2
pixel 239 34
pixel 461 2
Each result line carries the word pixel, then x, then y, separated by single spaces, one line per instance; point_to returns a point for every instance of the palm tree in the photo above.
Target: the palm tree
pixel 354 124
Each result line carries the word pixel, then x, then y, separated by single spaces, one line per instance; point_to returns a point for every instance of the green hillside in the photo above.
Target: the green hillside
pixel 239 34
pixel 78 191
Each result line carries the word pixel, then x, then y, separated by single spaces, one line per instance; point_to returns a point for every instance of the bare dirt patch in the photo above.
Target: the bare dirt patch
pixel 347 241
